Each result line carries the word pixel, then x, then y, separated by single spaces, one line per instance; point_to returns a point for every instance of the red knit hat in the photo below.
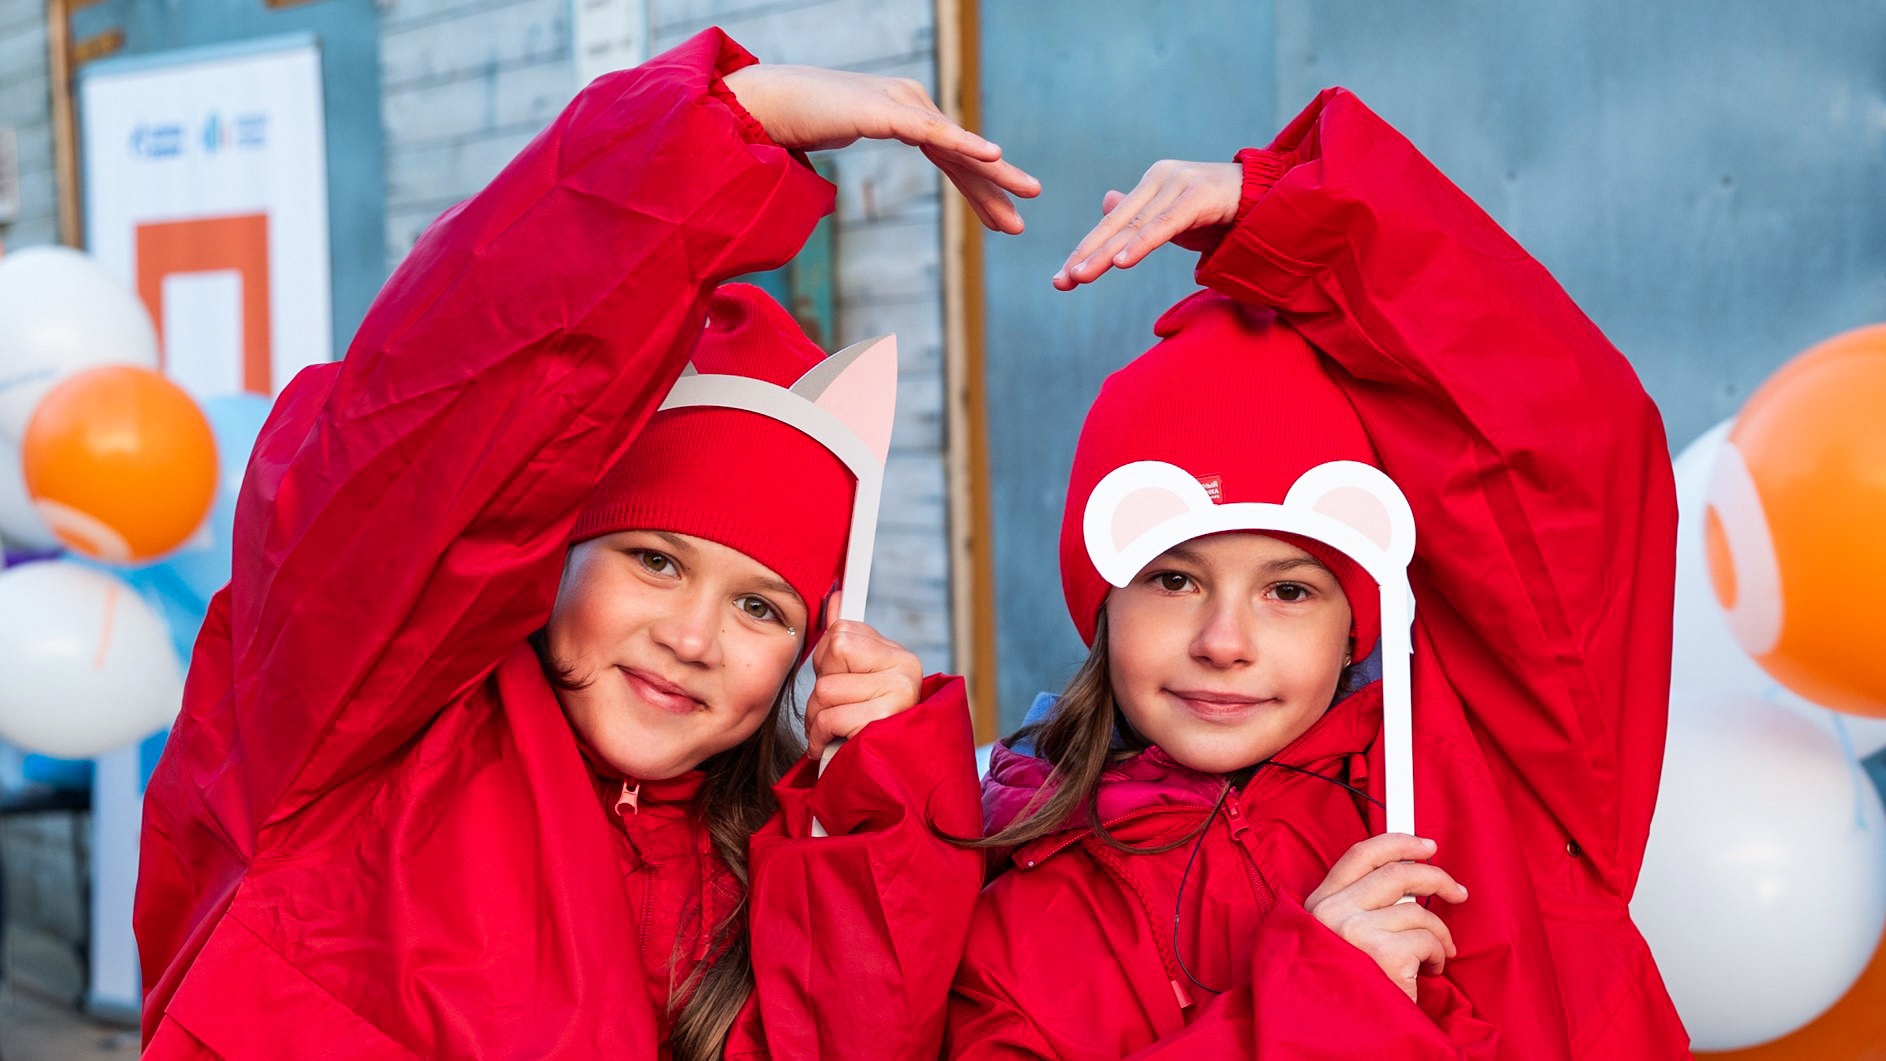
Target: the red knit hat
pixel 1240 402
pixel 743 480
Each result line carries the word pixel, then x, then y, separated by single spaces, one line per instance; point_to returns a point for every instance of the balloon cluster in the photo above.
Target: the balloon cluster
pixel 117 497
pixel 1763 892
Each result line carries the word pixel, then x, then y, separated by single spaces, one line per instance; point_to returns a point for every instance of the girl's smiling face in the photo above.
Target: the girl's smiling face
pixel 1226 648
pixel 680 647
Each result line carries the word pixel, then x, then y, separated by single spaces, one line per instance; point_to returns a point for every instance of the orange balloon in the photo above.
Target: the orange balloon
pixel 1792 533
pixel 1853 1030
pixel 120 463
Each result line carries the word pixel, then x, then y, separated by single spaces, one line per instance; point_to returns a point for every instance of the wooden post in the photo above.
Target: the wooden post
pixel 65 131
pixel 63 56
pixel 972 561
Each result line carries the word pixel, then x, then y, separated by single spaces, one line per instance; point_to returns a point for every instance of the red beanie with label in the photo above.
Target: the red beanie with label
pixel 737 478
pixel 1237 400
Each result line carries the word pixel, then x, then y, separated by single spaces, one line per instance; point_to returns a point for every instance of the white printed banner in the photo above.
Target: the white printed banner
pixel 206 193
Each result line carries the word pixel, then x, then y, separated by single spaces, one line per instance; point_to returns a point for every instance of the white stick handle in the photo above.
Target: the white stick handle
pixel 825 760
pixel 851 610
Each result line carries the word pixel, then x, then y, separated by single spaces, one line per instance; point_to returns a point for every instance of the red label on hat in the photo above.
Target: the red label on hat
pixel 1214 487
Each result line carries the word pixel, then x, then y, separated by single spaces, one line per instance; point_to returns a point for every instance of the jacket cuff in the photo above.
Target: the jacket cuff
pixel 1245 264
pixel 748 123
pixel 1296 960
pixel 922 760
pixel 1262 167
pixel 733 57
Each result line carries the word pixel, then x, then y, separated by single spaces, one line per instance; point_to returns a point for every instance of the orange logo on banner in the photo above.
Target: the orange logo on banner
pixel 238 242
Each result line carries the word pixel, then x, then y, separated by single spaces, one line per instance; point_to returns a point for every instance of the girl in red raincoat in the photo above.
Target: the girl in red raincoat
pixel 484 750
pixel 1196 835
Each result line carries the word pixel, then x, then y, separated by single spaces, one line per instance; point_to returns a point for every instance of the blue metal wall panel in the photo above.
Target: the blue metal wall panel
pixel 1085 94
pixel 1704 176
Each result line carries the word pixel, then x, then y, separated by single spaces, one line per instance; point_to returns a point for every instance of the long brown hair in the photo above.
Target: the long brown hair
pixel 1086 733
pixel 1078 740
pixel 734 801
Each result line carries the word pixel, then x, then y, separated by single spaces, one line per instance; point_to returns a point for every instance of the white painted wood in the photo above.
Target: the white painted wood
pixel 521 98
pixel 839 33
pixel 609 35
pixel 476 44
pixel 117 815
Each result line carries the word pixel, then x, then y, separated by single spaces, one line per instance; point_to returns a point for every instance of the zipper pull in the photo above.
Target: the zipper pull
pixel 630 802
pixel 1241 835
pixel 1235 819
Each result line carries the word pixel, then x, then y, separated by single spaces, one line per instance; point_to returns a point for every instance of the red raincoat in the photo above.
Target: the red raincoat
pixel 373 833
pixel 1541 485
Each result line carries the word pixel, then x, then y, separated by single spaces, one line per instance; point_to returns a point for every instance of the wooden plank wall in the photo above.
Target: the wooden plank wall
pixel 25 105
pixel 465 84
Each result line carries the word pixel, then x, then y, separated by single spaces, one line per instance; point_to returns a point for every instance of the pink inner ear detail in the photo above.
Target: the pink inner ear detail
pixel 864 396
pixel 1141 511
pixel 1359 509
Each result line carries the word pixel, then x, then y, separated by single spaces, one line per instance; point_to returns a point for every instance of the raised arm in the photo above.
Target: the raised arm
pixel 1536 464
pixel 406 512
pixel 404 517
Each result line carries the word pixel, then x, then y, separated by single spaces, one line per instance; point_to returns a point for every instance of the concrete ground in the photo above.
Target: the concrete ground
pixel 38 1019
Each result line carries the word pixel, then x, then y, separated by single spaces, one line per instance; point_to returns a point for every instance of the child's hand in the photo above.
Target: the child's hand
pixel 812 109
pixel 862 676
pixel 1176 202
pixel 1360 901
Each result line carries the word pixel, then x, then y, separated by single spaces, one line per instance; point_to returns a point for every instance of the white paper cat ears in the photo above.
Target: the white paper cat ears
pixel 1142 509
pixel 846 404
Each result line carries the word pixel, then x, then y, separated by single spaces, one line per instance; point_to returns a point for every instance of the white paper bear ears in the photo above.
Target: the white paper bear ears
pixel 1142 509
pixel 845 403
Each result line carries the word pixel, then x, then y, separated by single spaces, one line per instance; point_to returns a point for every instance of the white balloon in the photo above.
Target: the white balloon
pixel 60 313
pixel 1705 656
pixel 88 665
pixel 1866 735
pixel 20 525
pixel 1763 892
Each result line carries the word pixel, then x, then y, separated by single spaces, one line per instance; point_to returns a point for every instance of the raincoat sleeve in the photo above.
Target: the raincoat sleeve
pixel 857 934
pixel 1534 461
pixel 405 513
pixel 1311 994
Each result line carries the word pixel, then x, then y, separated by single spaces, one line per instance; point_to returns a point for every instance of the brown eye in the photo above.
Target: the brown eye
pixel 758 608
pixel 1292 592
pixel 1172 581
pixel 659 563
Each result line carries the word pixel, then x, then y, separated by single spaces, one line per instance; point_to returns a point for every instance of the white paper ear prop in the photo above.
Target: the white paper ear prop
pixel 846 404
pixel 1142 509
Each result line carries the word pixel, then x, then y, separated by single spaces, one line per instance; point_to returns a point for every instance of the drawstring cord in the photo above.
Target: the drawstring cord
pixel 1178 903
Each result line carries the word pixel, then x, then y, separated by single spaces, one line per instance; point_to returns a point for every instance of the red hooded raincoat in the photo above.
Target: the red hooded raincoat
pixel 1545 516
pixel 373 833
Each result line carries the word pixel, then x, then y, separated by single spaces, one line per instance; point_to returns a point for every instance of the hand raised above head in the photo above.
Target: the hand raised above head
pixel 1187 203
pixel 814 109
